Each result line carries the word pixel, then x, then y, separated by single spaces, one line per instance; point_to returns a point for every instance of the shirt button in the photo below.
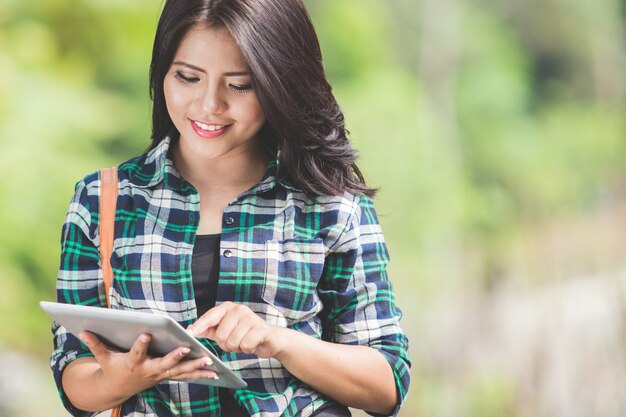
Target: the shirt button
pixel 228 253
pixel 229 220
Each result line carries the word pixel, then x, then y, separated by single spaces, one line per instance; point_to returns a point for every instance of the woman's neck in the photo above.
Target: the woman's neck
pixel 238 170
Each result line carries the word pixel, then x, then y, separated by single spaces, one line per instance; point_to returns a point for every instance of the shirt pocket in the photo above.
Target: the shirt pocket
pixel 292 271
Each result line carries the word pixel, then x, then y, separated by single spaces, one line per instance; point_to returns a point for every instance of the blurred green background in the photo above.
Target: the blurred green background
pixel 495 130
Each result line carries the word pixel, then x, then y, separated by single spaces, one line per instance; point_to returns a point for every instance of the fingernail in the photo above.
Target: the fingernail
pixel 215 377
pixel 184 351
pixel 189 330
pixel 145 338
pixel 207 362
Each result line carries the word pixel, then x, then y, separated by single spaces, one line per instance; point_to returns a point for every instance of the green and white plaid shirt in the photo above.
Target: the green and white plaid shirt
pixel 317 266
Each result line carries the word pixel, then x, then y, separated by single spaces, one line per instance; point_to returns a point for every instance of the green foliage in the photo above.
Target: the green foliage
pixel 65 111
pixel 492 396
pixel 489 395
pixel 340 23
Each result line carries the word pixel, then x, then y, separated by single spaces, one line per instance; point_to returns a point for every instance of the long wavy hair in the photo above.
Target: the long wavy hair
pixel 303 119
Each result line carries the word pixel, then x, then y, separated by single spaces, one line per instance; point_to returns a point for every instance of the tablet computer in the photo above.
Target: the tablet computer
pixel 119 329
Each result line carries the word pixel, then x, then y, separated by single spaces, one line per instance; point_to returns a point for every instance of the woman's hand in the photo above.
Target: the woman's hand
pixel 125 374
pixel 238 329
pixel 358 376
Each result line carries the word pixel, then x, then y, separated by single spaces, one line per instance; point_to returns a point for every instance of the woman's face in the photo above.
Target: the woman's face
pixel 209 95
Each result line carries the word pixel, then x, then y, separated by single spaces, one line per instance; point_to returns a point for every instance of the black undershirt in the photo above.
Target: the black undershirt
pixel 205 271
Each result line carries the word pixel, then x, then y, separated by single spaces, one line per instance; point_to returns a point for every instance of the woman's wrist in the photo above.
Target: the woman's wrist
pixel 286 344
pixel 112 392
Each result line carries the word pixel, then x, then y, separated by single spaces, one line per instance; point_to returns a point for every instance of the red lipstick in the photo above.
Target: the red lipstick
pixel 203 132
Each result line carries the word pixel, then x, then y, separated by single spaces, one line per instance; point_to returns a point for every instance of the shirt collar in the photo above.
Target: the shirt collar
pixel 156 166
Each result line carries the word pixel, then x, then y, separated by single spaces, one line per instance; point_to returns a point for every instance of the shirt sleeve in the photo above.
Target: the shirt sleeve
pixel 359 304
pixel 78 282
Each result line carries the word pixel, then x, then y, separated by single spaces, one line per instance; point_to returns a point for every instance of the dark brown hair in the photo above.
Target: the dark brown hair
pixel 279 44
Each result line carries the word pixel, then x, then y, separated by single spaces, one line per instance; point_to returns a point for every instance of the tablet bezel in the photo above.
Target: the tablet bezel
pixel 120 328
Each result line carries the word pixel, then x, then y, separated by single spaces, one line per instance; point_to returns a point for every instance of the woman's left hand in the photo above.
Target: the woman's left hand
pixel 236 328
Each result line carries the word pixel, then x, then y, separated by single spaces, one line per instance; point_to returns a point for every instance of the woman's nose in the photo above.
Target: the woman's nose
pixel 213 101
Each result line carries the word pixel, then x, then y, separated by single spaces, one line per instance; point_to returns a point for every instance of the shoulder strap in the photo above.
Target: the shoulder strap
pixel 108 203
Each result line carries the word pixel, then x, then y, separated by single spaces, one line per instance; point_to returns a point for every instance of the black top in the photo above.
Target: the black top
pixel 205 270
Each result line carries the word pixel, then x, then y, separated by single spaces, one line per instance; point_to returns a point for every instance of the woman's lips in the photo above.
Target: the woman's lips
pixel 208 134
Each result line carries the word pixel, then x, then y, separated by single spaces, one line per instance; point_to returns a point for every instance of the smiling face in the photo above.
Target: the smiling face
pixel 210 98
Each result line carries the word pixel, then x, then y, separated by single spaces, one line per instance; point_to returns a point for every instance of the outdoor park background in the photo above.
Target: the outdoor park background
pixel 495 130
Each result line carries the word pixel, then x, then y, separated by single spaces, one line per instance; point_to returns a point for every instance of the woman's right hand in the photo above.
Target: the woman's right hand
pixel 124 374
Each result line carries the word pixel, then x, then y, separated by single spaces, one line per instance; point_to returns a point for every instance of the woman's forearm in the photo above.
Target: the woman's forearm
pixel 356 376
pixel 83 386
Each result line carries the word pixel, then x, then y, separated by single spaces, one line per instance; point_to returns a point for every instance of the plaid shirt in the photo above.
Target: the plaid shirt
pixel 317 266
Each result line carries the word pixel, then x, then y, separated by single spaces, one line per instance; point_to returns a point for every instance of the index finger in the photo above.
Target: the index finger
pixel 95 345
pixel 208 320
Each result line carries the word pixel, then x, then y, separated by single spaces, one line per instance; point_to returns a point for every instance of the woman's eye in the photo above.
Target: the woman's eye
pixel 186 80
pixel 241 88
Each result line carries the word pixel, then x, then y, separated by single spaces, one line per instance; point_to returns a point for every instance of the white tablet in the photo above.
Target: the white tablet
pixel 120 329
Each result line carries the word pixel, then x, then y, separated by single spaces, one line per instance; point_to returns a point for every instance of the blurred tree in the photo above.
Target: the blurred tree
pixel 68 107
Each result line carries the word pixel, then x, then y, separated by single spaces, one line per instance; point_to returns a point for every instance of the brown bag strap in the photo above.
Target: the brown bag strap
pixel 108 203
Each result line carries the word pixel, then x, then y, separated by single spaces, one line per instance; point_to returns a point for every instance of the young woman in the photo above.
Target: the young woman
pixel 248 222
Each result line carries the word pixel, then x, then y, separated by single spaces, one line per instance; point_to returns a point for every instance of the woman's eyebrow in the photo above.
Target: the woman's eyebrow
pixel 227 74
pixel 236 73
